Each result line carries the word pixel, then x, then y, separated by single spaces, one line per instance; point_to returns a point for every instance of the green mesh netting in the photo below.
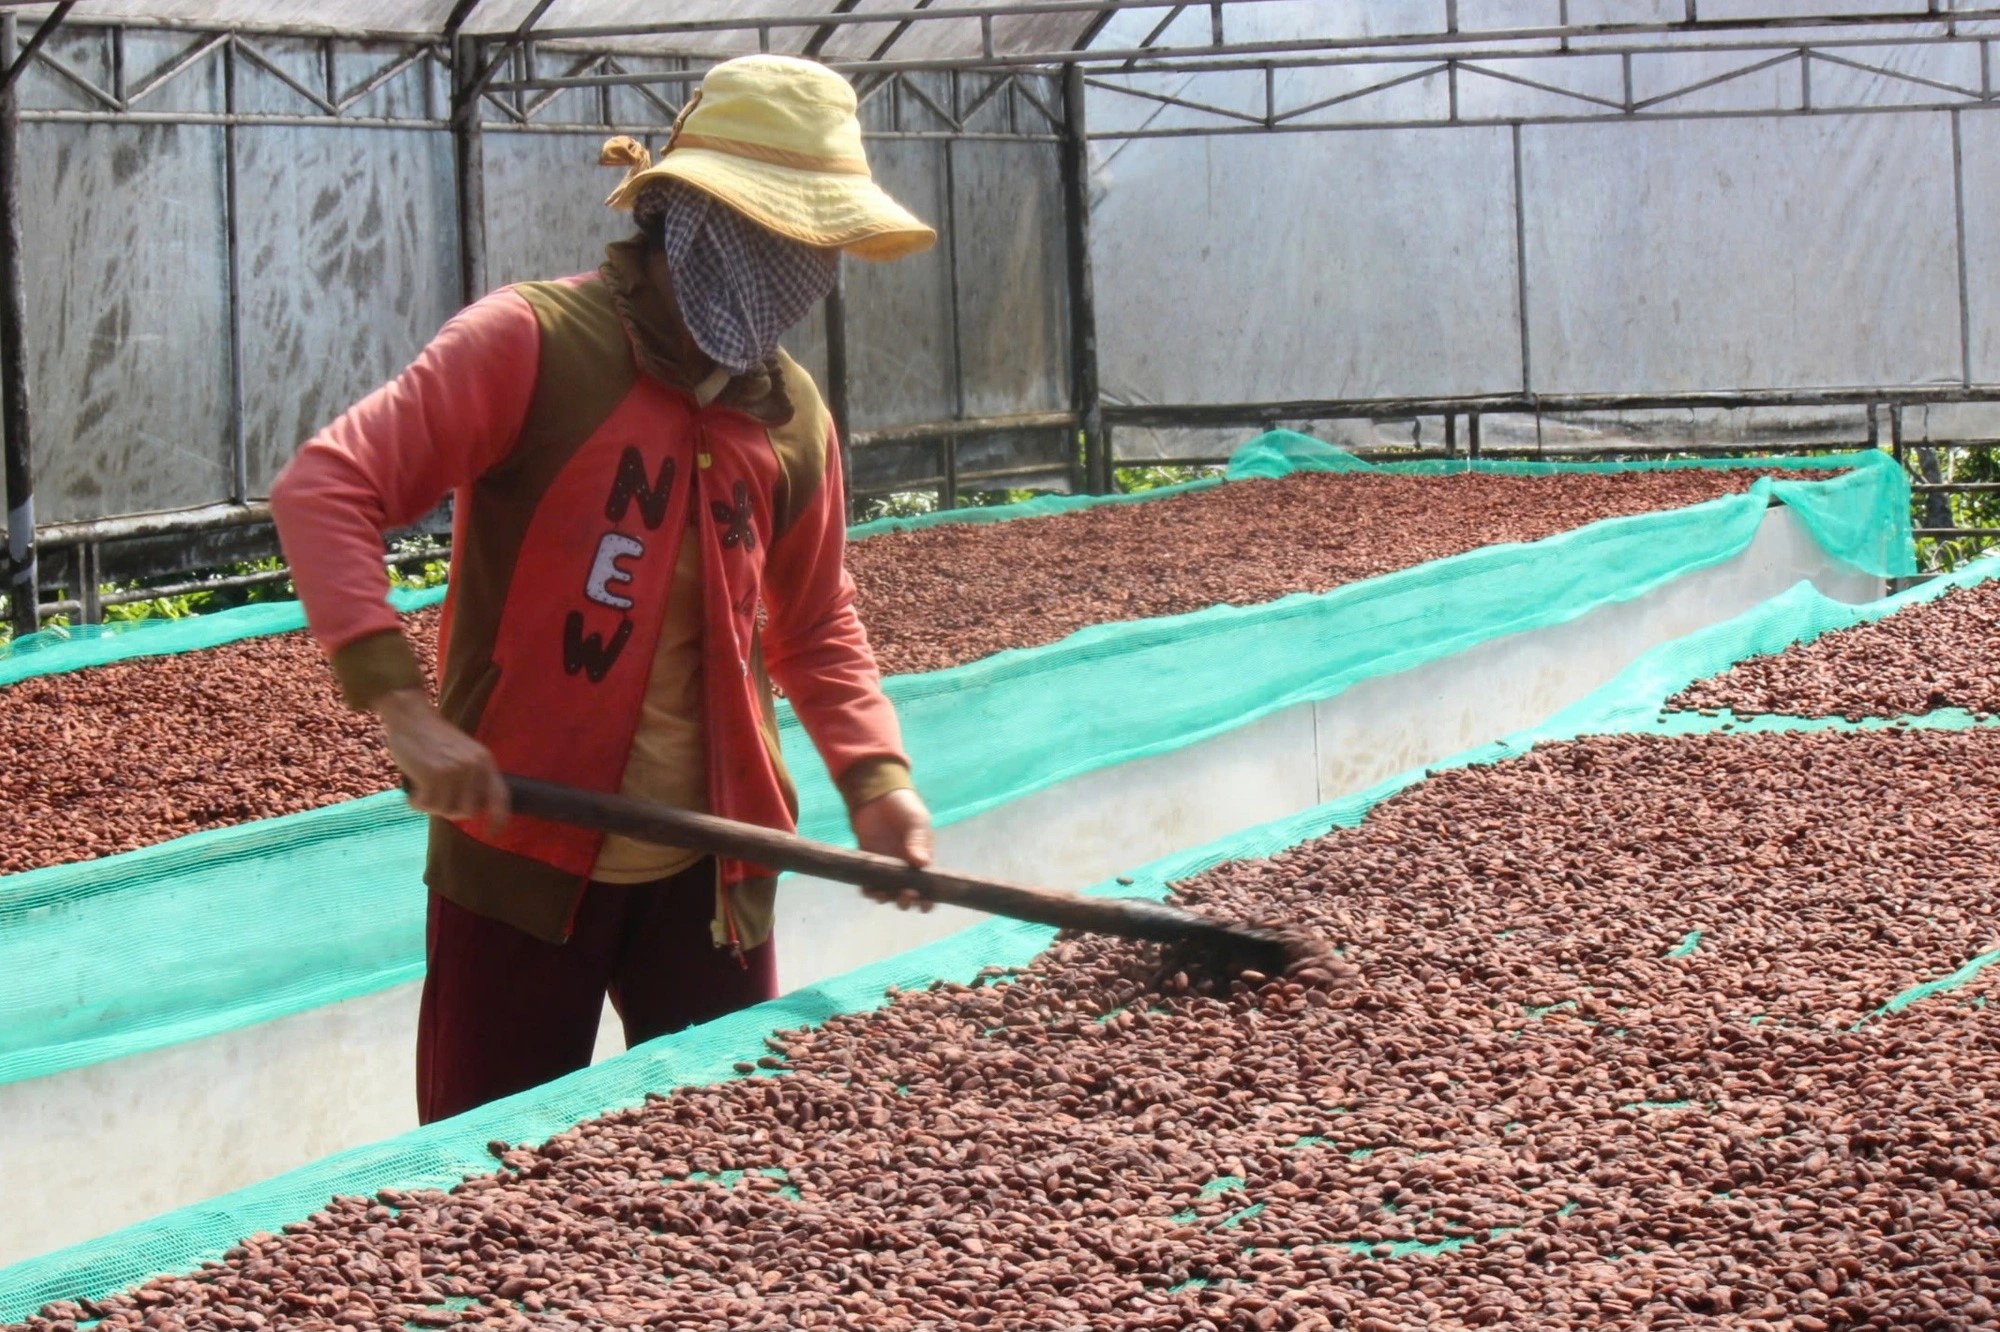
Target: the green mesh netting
pixel 216 930
pixel 439 1155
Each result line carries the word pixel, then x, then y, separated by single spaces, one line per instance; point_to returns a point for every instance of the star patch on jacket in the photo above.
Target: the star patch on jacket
pixel 737 516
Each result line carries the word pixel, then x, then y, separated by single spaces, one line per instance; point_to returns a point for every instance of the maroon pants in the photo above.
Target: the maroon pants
pixel 504 1011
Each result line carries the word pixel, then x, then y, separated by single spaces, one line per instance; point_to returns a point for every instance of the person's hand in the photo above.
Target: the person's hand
pixel 450 774
pixel 898 825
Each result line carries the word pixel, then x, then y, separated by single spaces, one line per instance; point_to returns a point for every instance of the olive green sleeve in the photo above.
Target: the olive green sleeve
pixel 872 778
pixel 375 665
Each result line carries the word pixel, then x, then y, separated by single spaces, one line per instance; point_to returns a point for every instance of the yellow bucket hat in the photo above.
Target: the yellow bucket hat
pixel 776 138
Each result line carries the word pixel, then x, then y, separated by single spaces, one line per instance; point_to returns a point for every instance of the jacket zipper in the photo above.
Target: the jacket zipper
pixel 702 461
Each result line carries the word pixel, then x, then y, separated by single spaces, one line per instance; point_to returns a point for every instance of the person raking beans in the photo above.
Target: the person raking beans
pixel 648 530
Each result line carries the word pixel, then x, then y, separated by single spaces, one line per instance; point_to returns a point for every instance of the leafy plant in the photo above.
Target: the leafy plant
pixel 1979 508
pixel 903 504
pixel 988 499
pixel 203 601
pixel 431 573
pixel 1134 480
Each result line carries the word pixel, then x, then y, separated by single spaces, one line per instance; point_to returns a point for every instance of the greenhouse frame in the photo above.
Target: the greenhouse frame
pixel 1815 220
pixel 1409 585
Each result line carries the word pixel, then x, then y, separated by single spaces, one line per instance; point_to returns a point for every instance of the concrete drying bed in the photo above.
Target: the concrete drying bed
pixel 132 754
pixel 1650 1032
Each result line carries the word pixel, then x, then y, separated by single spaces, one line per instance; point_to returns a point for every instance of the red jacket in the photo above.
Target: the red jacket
pixel 574 472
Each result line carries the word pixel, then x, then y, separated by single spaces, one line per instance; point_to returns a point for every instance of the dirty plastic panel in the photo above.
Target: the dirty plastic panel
pixel 348 263
pixel 545 213
pixel 899 317
pixel 1747 253
pixel 1012 276
pixel 127 317
pixel 1224 272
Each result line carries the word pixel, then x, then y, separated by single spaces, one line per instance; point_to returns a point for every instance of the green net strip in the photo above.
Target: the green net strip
pixel 1632 700
pixel 55 651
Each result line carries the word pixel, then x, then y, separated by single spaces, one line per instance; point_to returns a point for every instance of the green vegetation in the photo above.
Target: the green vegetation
pixel 181 605
pixel 1979 508
pixel 1133 480
pixel 1130 481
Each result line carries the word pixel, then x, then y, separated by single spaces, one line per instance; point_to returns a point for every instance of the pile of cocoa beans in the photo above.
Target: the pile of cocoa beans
pixel 945 595
pixel 1926 657
pixel 1637 1041
pixel 123 756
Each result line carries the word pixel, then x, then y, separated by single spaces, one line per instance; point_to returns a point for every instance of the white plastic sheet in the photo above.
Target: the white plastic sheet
pixel 1689 255
pixel 1271 268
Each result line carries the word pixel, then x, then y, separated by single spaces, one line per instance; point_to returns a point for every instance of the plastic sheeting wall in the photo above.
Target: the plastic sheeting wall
pixel 343 279
pixel 899 320
pixel 1372 256
pixel 914 354
pixel 1797 253
pixel 347 254
pixel 1250 268
pixel 545 213
pixel 128 339
pixel 1661 256
pixel 346 263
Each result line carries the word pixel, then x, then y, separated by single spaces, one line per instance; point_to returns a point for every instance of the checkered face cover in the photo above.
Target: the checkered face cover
pixel 740 287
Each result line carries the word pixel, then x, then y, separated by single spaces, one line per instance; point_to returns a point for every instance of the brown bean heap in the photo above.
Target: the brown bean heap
pixel 128 755
pixel 1548 1105
pixel 950 594
pixel 1937 654
pixel 122 756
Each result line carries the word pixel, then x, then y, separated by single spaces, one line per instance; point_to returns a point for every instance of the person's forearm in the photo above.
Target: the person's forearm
pixel 449 773
pixel 329 519
pixel 385 463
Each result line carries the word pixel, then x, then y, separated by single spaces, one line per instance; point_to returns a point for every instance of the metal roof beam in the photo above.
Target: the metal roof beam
pixel 1313 52
pixel 1450 34
pixel 836 18
pixel 506 51
pixel 820 35
pixel 17 64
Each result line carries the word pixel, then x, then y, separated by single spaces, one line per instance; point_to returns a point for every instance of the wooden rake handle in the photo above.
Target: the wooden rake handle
pixel 1128 918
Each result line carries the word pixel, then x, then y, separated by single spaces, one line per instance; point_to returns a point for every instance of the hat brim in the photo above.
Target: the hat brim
pixel 843 212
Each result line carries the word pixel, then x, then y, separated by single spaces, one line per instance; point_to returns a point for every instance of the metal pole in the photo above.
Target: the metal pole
pixel 836 380
pixel 239 458
pixel 1085 398
pixel 948 465
pixel 1521 272
pixel 22 585
pixel 948 446
pixel 1964 285
pixel 469 160
pixel 90 582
